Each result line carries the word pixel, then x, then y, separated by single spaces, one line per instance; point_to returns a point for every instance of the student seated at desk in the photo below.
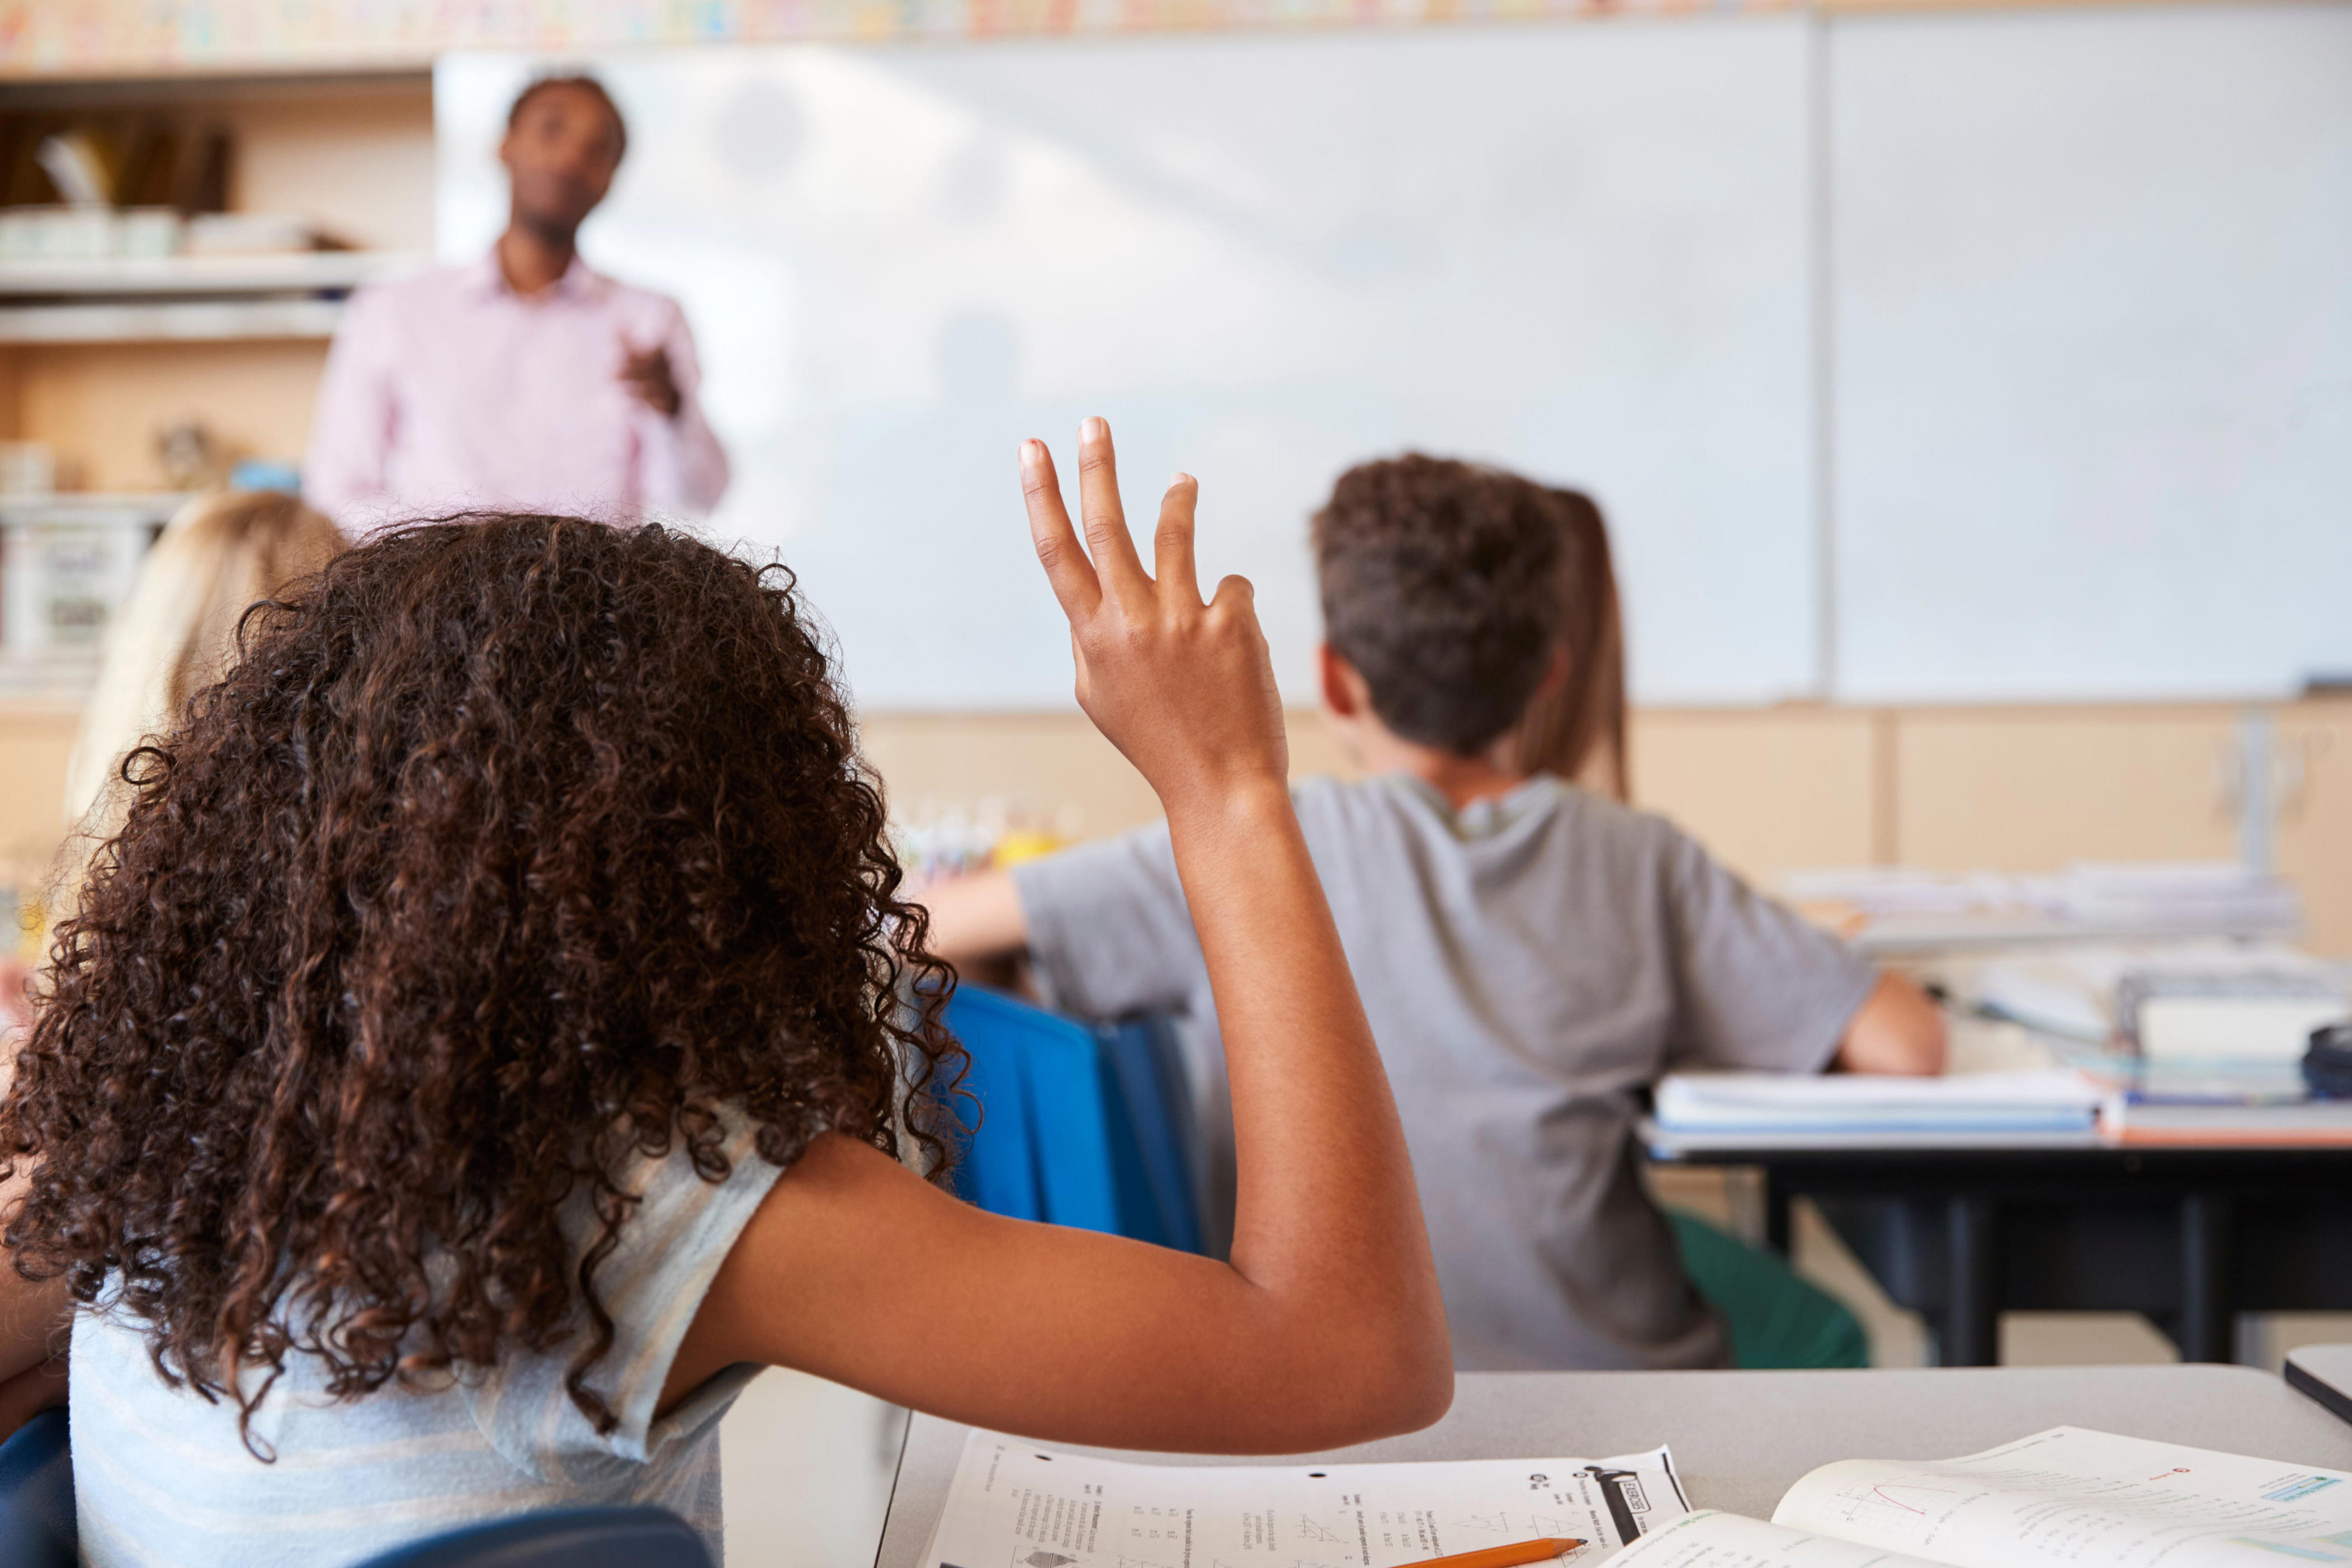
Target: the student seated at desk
pixel 484 1044
pixel 1533 957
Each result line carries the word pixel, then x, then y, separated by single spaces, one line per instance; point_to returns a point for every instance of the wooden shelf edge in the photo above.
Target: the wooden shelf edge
pixel 181 276
pixel 199 320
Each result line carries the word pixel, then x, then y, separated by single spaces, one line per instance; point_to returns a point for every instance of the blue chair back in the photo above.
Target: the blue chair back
pixel 1079 1126
pixel 36 1494
pixel 563 1537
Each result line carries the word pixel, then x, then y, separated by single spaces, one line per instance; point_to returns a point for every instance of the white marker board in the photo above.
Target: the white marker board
pixel 1580 250
pixel 2093 385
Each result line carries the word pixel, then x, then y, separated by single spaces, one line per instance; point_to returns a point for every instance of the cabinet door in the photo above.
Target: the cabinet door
pixel 2313 785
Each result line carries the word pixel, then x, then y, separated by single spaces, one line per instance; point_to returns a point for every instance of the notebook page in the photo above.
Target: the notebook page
pixel 1015 1505
pixel 1710 1540
pixel 2068 1496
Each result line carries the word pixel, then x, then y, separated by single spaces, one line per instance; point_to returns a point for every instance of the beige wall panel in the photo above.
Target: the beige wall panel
pixel 2029 790
pixel 1767 791
pixel 1316 746
pixel 358 163
pixel 2314 831
pixel 34 741
pixel 101 406
pixel 1055 768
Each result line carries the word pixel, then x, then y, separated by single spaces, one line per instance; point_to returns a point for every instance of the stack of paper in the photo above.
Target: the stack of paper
pixel 1785 1103
pixel 2188 895
pixel 1895 907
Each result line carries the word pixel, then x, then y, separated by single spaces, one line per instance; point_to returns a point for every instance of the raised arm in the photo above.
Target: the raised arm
pixel 684 466
pixel 351 421
pixel 1327 1327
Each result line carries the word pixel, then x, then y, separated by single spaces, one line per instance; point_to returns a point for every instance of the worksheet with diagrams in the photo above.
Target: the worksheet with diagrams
pixel 2085 1499
pixel 1015 1505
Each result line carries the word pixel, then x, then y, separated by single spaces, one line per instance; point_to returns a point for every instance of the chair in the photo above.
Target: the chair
pixel 563 1538
pixel 1777 1318
pixel 36 1494
pixel 1083 1126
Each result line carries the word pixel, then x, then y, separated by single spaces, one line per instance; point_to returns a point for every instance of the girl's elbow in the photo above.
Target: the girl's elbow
pixel 1405 1382
pixel 1423 1398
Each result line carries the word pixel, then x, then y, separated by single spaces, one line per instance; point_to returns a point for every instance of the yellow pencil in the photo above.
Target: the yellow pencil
pixel 1541 1550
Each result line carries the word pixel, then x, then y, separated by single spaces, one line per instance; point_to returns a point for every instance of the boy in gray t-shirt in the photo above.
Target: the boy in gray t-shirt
pixel 1532 958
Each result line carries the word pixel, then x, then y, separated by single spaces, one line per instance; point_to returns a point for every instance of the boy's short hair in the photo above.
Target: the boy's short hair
pixel 1441 583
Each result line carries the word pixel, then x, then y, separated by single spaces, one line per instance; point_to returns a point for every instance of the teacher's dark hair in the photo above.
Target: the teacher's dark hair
pixel 579 82
pixel 511 849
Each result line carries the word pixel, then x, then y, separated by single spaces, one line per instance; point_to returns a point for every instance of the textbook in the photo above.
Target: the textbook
pixel 1015 1505
pixel 2065 1496
pixel 1770 1104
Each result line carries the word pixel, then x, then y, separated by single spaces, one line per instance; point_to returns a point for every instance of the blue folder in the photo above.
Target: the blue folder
pixel 1076 1125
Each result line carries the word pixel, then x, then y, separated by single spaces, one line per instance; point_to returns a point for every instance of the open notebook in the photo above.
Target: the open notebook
pixel 2065 1496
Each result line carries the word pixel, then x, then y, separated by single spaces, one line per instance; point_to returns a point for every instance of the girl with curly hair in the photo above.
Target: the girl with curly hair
pixel 494 1031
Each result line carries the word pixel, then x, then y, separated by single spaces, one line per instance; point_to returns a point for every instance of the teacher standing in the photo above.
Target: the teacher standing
pixel 523 380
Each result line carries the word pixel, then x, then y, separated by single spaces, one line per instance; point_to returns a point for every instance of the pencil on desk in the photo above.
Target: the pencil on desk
pixel 1541 1550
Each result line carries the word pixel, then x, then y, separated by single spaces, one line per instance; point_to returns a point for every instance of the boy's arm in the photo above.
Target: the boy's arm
pixel 1897 1029
pixel 1106 926
pixel 976 918
pixel 1764 989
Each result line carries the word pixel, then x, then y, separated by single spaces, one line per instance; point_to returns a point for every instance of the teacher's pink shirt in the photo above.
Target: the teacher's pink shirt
pixel 447 390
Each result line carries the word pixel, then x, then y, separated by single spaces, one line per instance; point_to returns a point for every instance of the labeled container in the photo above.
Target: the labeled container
pixel 66 564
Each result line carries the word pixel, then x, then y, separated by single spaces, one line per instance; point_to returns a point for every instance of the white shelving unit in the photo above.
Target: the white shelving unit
pixel 171 321
pixel 186 297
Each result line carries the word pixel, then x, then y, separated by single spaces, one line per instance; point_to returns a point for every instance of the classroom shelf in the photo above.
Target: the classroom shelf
pixel 170 320
pixel 179 275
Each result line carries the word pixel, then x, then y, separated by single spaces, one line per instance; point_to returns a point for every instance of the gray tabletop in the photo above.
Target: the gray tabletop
pixel 1741 1438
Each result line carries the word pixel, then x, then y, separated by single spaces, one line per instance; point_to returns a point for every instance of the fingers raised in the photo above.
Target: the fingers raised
pixel 1237 594
pixel 1172 541
pixel 1067 567
pixel 1116 563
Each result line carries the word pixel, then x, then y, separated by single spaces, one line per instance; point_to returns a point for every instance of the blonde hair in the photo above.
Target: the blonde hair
pixel 1577 728
pixel 177 633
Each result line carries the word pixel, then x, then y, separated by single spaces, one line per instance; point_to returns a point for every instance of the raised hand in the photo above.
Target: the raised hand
pixel 1183 687
pixel 647 376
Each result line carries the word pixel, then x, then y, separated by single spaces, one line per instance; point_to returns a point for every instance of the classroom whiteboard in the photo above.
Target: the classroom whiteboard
pixel 1579 250
pixel 2092 375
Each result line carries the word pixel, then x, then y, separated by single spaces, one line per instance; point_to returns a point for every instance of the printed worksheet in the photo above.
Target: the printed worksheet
pixel 2088 1500
pixel 1015 1505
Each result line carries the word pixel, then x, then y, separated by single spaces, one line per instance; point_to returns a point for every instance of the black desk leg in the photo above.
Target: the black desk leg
pixel 1971 1326
pixel 1776 1199
pixel 2209 1318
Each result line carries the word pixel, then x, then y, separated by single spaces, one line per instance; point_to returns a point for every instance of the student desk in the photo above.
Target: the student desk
pixel 1961 1230
pixel 1741 1438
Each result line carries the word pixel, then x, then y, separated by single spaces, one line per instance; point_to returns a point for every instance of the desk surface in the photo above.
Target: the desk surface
pixel 1742 1438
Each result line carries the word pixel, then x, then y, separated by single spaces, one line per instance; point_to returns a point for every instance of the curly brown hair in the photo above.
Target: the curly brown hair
pixel 512 848
pixel 1442 585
